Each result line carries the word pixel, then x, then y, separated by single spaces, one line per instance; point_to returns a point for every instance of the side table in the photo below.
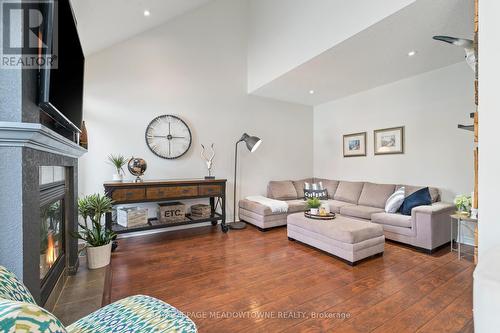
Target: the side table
pixel 460 219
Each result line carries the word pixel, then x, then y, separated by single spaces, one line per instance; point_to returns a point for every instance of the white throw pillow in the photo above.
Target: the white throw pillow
pixel 395 201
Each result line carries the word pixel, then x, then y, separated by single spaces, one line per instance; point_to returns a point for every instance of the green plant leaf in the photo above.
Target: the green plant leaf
pixel 93 207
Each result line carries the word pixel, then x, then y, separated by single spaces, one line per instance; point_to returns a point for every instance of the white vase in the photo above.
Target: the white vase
pixel 99 256
pixel 314 211
pixel 117 177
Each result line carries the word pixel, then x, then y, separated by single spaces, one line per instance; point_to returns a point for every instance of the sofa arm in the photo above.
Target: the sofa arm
pixel 432 224
pixel 436 208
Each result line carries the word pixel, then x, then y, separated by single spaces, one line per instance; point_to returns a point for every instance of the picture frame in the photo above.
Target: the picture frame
pixel 354 145
pixel 389 141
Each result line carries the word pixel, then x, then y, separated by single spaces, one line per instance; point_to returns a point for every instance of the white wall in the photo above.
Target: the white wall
pixel 489 120
pixel 284 34
pixel 430 106
pixel 194 67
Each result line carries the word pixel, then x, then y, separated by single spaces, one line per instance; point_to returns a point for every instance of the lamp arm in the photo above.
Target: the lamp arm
pixel 235 174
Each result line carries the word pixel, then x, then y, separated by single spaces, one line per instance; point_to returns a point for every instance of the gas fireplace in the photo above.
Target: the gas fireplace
pixel 51 236
pixel 53 194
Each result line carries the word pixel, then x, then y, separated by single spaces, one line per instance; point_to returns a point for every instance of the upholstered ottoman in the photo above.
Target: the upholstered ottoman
pixel 349 239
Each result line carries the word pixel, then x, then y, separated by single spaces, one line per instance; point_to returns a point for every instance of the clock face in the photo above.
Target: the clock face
pixel 168 137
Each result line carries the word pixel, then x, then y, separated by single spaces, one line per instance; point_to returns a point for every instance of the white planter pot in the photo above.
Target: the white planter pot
pixel 99 256
pixel 117 177
pixel 314 211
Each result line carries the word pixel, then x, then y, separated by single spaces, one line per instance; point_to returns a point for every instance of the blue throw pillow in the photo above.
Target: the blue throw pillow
pixel 419 198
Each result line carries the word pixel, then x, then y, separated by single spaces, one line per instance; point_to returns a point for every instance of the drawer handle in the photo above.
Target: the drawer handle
pixel 185 190
pixel 129 194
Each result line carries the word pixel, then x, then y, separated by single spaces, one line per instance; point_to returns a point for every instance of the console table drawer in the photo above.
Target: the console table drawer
pixel 131 194
pixel 161 193
pixel 210 189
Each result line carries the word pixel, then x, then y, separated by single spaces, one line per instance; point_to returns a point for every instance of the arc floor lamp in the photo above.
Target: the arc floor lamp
pixel 252 143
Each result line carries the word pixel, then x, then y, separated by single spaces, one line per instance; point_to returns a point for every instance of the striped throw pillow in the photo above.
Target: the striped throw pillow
pixel 395 201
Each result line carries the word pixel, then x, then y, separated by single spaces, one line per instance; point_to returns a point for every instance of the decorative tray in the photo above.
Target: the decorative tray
pixel 329 216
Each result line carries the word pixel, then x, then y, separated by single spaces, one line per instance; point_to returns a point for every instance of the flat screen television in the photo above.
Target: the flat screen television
pixel 61 86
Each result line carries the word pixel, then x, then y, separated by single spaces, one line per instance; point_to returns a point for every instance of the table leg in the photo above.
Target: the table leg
pixel 212 209
pixel 224 227
pixel 451 233
pixel 459 227
pixel 108 220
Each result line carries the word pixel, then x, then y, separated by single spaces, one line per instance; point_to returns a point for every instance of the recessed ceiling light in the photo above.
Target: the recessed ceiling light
pixel 147 13
pixel 412 53
pixel 311 92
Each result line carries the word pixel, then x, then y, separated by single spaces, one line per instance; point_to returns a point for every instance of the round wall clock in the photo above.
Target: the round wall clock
pixel 168 137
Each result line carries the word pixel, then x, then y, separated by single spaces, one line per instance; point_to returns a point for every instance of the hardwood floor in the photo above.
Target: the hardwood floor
pixel 249 281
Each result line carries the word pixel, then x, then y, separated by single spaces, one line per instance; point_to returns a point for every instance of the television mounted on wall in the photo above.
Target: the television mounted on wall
pixel 61 85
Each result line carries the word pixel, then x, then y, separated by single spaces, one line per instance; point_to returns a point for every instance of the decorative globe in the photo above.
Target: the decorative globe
pixel 137 167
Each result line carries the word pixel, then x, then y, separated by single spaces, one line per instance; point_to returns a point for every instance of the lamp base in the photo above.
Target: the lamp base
pixel 237 225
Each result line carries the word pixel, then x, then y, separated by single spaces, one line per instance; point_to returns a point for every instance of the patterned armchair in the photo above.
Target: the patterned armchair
pixel 19 312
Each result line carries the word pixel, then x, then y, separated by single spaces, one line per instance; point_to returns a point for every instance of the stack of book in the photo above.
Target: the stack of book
pixel 200 211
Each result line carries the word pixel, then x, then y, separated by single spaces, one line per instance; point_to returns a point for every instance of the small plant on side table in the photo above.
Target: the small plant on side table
pixel 118 161
pixel 463 204
pixel 314 204
pixel 97 238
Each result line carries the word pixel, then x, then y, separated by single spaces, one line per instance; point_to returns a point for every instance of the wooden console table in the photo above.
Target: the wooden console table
pixel 168 190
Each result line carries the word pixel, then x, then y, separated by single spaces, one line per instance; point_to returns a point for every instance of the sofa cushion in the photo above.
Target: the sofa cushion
pixel 362 212
pixel 397 220
pixel 256 207
pixel 330 185
pixel 281 190
pixel 335 205
pixel 410 189
pixel 375 195
pixel 421 197
pixel 349 191
pixel 299 186
pixel 297 205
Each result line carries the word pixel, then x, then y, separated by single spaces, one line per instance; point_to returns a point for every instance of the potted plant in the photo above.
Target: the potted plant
pixel 314 204
pixel 118 161
pixel 463 204
pixel 98 239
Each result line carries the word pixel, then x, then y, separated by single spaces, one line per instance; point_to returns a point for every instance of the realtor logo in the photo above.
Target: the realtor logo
pixel 28 37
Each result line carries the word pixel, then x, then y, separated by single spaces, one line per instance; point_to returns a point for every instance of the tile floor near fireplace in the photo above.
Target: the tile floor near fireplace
pixel 82 294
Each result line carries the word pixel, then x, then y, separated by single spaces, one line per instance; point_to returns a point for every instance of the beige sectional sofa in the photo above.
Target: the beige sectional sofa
pixel 427 228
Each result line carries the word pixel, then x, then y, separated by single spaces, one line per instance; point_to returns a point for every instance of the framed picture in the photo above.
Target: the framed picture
pixel 389 141
pixel 355 144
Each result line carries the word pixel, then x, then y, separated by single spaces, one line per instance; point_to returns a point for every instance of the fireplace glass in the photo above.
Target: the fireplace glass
pixel 51 236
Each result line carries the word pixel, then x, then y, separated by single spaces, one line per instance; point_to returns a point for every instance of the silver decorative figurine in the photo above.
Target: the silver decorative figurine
pixel 208 160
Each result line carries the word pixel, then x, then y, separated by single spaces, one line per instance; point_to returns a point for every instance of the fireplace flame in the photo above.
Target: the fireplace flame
pixel 50 257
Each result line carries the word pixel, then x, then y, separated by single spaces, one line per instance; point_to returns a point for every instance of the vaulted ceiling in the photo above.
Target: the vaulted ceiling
pixel 102 23
pixel 378 55
pixel 375 56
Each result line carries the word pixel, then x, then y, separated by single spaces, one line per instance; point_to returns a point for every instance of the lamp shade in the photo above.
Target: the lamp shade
pixel 252 142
